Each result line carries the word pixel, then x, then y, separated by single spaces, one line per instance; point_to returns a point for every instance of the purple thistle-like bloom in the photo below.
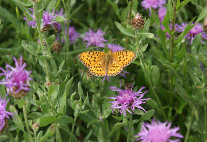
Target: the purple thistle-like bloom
pixel 127 100
pixel 158 132
pixel 3 113
pixel 161 13
pixel 73 35
pixel 94 38
pixel 16 78
pixel 148 4
pixel 49 18
pixel 33 22
pixel 193 32
pixel 115 47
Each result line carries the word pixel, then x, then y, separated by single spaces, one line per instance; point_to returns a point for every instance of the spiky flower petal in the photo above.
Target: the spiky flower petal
pixel 127 100
pixel 158 132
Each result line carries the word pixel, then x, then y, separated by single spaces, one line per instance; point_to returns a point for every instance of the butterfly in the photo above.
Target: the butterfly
pixel 106 64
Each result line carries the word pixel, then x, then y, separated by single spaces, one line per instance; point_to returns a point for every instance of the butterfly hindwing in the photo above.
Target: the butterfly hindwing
pixel 113 68
pixel 90 58
pixel 124 57
pixel 98 69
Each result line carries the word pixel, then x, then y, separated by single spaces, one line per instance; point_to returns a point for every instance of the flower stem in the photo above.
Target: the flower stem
pixel 172 45
pixel 26 122
pixel 130 134
pixel 73 126
pixel 58 133
pixel 151 86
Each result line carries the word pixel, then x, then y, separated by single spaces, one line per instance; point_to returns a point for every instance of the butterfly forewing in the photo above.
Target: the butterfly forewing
pixel 90 58
pixel 124 57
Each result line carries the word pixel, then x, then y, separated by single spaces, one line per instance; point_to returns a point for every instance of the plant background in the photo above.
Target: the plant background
pixel 75 107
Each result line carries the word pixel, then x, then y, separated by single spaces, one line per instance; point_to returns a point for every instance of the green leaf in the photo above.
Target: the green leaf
pixel 155 74
pixel 147 35
pixel 17 120
pixel 46 120
pixel 53 91
pixel 50 132
pixel 202 15
pixel 60 19
pixel 147 115
pixel 64 120
pixel 184 3
pixel 63 99
pixel 26 137
pixel 80 90
pixel 72 3
pixel 125 31
pixel 118 126
pixel 20 103
pixel 31 47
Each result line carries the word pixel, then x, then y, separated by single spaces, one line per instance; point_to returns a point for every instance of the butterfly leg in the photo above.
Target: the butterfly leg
pixel 105 78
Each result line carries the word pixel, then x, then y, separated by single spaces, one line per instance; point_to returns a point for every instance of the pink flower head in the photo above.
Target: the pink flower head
pixel 148 4
pixel 114 47
pixel 193 32
pixel 161 13
pixel 127 100
pixel 3 113
pixel 158 132
pixel 73 35
pixel 16 78
pixel 48 17
pixel 32 22
pixel 94 38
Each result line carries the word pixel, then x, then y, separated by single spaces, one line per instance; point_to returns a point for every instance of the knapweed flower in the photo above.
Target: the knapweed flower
pixel 94 38
pixel 127 100
pixel 138 22
pixel 148 4
pixel 158 132
pixel 193 32
pixel 114 47
pixel 4 115
pixel 32 22
pixel 16 78
pixel 161 13
pixel 73 35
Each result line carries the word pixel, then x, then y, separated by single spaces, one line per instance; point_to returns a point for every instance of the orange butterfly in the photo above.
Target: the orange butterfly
pixel 106 64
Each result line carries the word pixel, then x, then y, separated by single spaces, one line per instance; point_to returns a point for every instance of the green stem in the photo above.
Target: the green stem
pixel 73 126
pixel 9 135
pixel 26 122
pixel 172 46
pixel 188 129
pixel 58 133
pixel 130 134
pixel 151 86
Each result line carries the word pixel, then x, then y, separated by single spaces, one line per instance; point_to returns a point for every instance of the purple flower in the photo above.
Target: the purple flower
pixel 158 132
pixel 114 47
pixel 57 26
pixel 3 113
pixel 193 32
pixel 48 17
pixel 32 22
pixel 16 78
pixel 73 35
pixel 127 100
pixel 94 38
pixel 148 4
pixel 161 13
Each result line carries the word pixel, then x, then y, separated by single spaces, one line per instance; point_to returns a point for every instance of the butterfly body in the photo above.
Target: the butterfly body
pixel 106 64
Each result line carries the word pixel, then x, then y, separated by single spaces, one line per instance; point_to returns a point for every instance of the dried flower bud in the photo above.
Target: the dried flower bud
pixel 128 86
pixel 138 22
pixel 35 126
pixel 46 28
pixel 5 125
pixel 205 25
pixel 48 83
pixel 57 47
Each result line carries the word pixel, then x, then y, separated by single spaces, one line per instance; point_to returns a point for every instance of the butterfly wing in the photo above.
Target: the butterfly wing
pixel 124 57
pixel 99 69
pixel 90 58
pixel 113 68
